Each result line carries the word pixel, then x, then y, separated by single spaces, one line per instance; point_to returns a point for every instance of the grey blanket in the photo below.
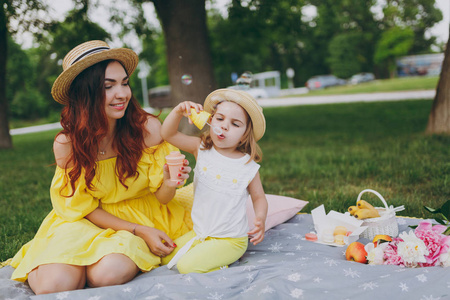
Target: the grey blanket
pixel 283 266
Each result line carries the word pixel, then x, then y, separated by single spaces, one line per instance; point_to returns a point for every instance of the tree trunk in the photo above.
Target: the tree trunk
pixel 188 49
pixel 5 137
pixel 439 119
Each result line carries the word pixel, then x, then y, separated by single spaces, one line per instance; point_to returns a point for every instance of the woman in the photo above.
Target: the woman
pixel 113 213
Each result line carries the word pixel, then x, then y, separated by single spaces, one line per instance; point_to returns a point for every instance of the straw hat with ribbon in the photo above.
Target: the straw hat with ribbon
pixel 85 55
pixel 246 101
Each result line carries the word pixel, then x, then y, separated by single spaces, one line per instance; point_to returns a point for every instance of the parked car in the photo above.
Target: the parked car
pixel 324 81
pixel 362 77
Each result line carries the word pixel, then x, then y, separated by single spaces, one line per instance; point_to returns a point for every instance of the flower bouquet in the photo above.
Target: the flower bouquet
pixel 428 245
pixel 425 246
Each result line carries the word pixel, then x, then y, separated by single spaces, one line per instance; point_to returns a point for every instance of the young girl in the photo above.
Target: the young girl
pixel 225 174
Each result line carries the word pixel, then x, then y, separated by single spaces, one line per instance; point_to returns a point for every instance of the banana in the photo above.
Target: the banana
pixel 365 213
pixel 364 204
pixel 352 209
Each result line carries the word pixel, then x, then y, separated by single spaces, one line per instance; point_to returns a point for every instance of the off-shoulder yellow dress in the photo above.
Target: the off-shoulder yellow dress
pixel 65 236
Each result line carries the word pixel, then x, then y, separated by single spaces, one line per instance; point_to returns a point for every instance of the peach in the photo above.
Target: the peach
pixel 356 252
pixel 381 237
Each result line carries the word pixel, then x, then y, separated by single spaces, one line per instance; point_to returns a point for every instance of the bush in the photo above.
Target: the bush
pixel 349 54
pixel 28 104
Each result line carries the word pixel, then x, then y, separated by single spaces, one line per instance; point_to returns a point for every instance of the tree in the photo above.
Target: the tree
pixel 188 52
pixel 260 35
pixel 76 28
pixel 394 42
pixel 154 52
pixel 188 49
pixel 5 138
pixel 57 40
pixel 439 118
pixel 418 15
pixel 344 37
pixel 351 49
pixel 24 12
pixel 347 54
pixel 25 101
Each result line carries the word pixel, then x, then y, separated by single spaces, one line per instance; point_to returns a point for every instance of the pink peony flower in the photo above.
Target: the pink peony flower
pixel 424 247
pixel 436 243
pixel 391 256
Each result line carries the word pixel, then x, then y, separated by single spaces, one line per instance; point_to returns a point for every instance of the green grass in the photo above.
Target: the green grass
pixel 324 154
pixel 25 175
pixel 328 154
pixel 378 86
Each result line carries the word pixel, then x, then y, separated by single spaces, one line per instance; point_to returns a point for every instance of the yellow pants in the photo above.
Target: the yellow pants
pixel 208 255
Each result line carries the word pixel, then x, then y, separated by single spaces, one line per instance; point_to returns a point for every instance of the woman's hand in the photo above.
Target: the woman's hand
pixel 257 232
pixel 166 191
pixel 157 241
pixel 183 175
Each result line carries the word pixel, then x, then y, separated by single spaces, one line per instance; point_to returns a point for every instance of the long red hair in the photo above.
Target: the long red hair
pixel 85 123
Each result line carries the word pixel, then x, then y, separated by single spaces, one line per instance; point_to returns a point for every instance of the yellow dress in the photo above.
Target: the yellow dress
pixel 65 236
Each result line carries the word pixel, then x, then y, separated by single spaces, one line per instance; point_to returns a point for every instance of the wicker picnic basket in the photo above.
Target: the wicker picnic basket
pixel 385 224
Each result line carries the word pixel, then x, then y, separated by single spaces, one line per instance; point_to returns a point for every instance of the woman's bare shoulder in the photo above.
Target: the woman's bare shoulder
pixel 62 148
pixel 152 132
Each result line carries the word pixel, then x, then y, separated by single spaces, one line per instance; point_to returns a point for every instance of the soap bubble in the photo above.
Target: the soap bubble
pixel 186 79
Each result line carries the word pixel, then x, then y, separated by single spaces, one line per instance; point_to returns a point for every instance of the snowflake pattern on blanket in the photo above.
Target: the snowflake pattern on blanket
pixel 283 266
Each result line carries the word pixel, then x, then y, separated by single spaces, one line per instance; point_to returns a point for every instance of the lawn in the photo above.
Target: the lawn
pixel 325 154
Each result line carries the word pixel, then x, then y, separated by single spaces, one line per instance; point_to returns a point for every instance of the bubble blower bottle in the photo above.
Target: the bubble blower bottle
pixel 175 161
pixel 201 119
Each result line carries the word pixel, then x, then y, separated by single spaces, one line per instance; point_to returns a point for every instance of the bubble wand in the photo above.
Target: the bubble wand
pixel 201 119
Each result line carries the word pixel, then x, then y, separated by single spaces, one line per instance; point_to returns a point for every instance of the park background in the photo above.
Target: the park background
pixel 324 154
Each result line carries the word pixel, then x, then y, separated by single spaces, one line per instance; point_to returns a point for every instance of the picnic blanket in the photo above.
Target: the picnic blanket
pixel 283 266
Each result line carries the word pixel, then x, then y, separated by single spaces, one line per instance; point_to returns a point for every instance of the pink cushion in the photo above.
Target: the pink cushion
pixel 280 210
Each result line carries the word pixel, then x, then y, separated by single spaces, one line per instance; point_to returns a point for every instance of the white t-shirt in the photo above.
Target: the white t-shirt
pixel 220 197
pixel 220 194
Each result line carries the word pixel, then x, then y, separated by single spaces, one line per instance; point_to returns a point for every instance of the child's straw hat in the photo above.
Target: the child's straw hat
pixel 82 57
pixel 245 100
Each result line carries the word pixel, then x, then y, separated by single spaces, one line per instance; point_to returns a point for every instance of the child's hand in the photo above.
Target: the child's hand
pixel 258 231
pixel 184 108
pixel 183 175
